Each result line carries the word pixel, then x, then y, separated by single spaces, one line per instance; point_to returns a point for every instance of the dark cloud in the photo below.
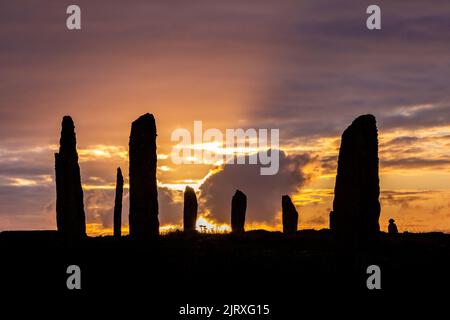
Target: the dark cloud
pixel 415 162
pixel 402 140
pixel 26 207
pixel 25 162
pixel 332 65
pixel 404 199
pixel 99 206
pixel 170 206
pixel 329 164
pixel 263 192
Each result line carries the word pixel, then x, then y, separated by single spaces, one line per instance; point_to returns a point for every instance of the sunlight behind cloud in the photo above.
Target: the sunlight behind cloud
pixel 102 151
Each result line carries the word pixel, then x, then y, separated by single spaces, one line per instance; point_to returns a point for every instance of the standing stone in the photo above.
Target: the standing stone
pixel 356 203
pixel 332 220
pixel 289 215
pixel 190 209
pixel 238 208
pixel 143 218
pixel 118 205
pixel 70 217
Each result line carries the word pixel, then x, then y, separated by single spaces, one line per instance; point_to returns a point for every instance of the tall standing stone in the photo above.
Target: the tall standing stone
pixel 70 217
pixel 356 206
pixel 118 205
pixel 189 209
pixel 289 215
pixel 238 208
pixel 143 218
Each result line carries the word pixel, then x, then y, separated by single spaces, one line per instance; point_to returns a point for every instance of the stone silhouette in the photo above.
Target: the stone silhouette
pixel 70 217
pixel 238 208
pixel 189 210
pixel 118 205
pixel 392 228
pixel 332 220
pixel 356 203
pixel 289 215
pixel 143 217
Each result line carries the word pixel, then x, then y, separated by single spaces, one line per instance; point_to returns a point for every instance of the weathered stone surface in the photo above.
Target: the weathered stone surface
pixel 118 204
pixel 356 203
pixel 189 209
pixel 289 215
pixel 143 218
pixel 238 208
pixel 70 217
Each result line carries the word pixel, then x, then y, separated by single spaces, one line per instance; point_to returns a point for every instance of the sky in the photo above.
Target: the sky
pixel 307 68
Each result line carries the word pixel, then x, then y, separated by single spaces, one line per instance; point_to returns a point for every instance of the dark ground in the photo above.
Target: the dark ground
pixel 290 273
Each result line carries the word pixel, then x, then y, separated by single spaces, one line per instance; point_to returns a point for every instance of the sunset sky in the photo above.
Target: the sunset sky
pixel 307 68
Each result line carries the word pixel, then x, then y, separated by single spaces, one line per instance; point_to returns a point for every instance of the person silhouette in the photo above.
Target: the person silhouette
pixel 392 228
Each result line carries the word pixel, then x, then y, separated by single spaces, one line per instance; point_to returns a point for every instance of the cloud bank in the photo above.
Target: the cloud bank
pixel 263 192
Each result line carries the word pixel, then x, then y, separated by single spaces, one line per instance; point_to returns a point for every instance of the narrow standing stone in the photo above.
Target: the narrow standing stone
pixel 190 209
pixel 143 218
pixel 289 215
pixel 356 203
pixel 118 205
pixel 332 221
pixel 238 208
pixel 70 217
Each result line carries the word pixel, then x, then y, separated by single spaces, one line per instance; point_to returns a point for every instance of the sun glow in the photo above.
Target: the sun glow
pixel 206 225
pixel 194 183
pixel 102 151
